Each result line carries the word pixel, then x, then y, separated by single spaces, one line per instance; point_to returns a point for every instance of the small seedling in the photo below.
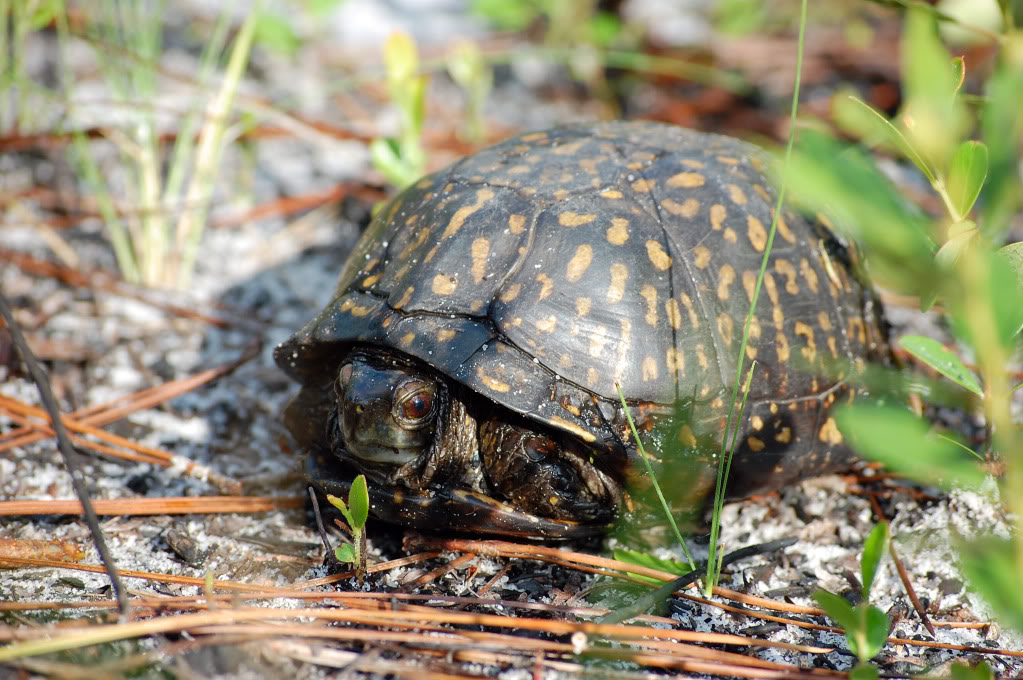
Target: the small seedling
pixel 402 159
pixel 356 511
pixel 865 626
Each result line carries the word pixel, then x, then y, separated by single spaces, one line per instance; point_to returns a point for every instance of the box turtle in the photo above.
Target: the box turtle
pixel 468 360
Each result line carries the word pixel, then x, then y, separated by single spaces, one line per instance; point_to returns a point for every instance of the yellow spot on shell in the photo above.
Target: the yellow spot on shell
pixel 579 263
pixel 458 219
pixel 565 362
pixel 687 302
pixel 784 435
pixel 643 186
pixel 546 285
pixel 788 270
pixel 546 325
pixel 480 251
pixel 491 382
pixel 781 346
pixel 674 315
pixel 613 194
pixel 725 327
pixel 728 160
pixel 444 285
pixel 833 346
pixel 755 445
pixel 730 235
pixel 718 213
pixel 649 294
pixel 737 195
pixel 519 169
pixel 687 208
pixel 516 223
pixel 414 244
pixel 810 351
pixel 824 321
pixel 701 257
pixel 701 357
pixel 757 423
pixel 585 435
pixel 772 289
pixel 597 343
pixel 692 163
pixel 430 255
pixel 534 137
pixel 445 334
pixel 569 149
pixel 749 282
pixel 783 229
pixel 370 280
pixel 686 180
pixel 347 305
pixel 762 192
pixel 757 233
pixel 655 251
pixel 592 377
pixel 360 310
pixel 726 277
pixel 582 306
pixel 649 370
pixel 830 433
pixel 408 338
pixel 674 361
pixel 405 297
pixel 476 305
pixel 686 436
pixel 624 348
pixel 618 232
pixel 574 219
pixel 809 274
pixel 774 407
pixel 511 292
pixel 619 274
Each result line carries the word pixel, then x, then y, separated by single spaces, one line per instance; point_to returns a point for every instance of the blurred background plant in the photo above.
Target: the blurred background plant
pixel 957 263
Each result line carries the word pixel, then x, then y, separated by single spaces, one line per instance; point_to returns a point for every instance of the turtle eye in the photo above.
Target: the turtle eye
pixel 414 403
pixel 344 376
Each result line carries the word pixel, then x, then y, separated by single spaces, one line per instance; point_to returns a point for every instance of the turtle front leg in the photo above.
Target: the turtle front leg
pixel 538 475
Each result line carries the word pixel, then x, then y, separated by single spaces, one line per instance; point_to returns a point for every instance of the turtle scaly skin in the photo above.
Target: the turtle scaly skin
pixel 519 286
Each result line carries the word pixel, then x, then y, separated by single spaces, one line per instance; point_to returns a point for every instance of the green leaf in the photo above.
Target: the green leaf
pixel 384 155
pixel 1002 124
pixel 966 175
pixel 650 561
pixel 960 671
pixel 990 565
pixel 345 553
pixel 873 550
pixel 933 116
pixel 861 119
pixel 945 362
pixel 839 610
pixel 1013 254
pixel 959 72
pixel 340 505
pixel 358 501
pixel 832 179
pixel 275 33
pixel 906 444
pixel 1006 296
pixel 864 671
pixel 877 626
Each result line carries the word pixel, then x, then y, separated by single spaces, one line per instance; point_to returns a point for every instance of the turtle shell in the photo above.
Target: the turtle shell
pixel 546 270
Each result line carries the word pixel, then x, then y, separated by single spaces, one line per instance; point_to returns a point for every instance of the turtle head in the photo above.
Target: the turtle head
pixel 387 412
